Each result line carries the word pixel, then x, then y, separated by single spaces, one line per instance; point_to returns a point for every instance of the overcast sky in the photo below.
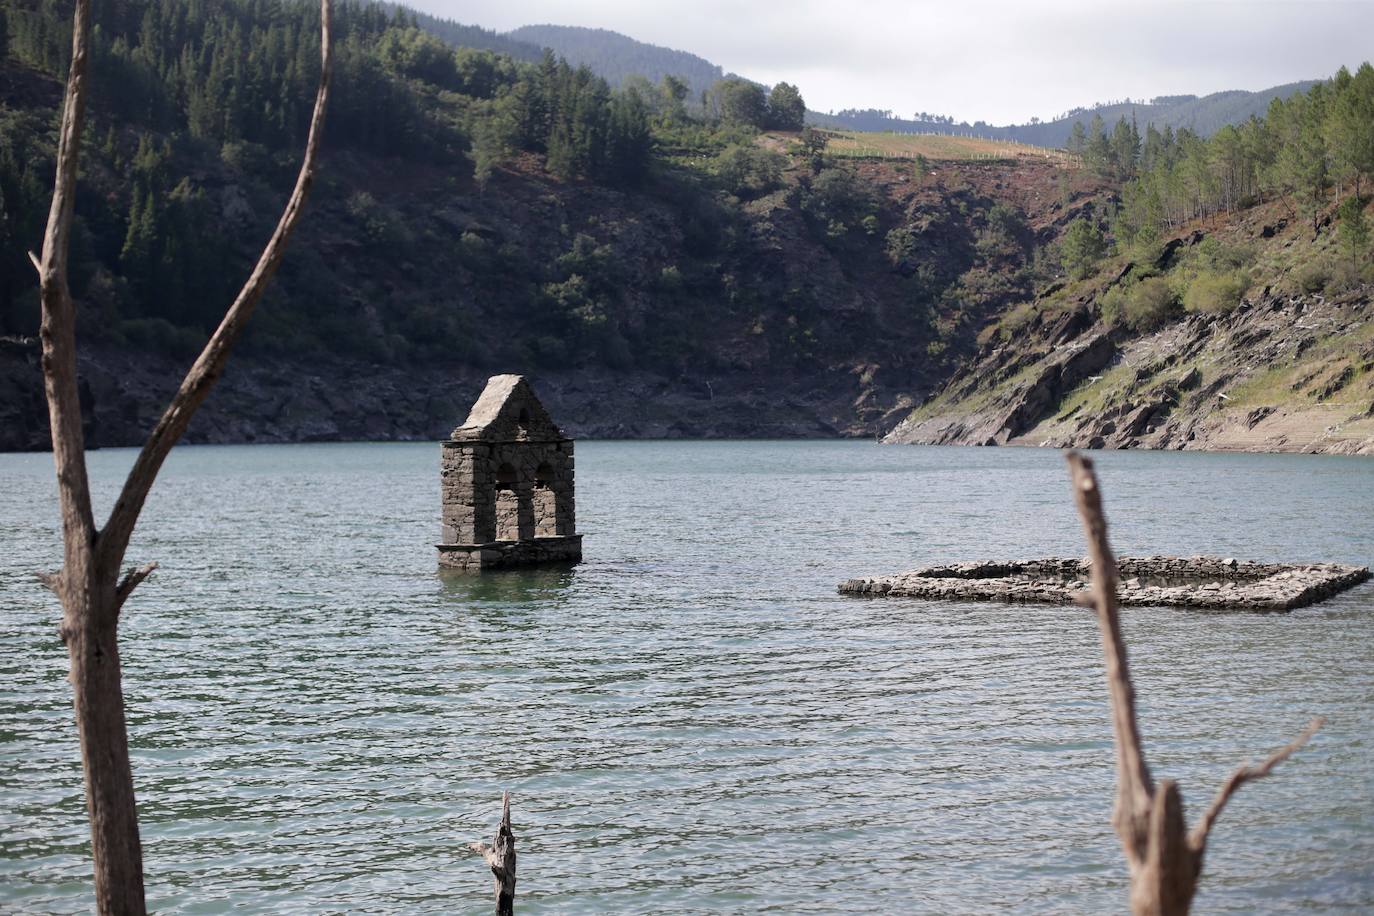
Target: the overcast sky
pixel 1000 61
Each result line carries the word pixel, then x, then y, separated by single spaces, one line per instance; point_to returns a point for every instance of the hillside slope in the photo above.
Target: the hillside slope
pixel 1290 369
pixel 784 332
pixel 711 286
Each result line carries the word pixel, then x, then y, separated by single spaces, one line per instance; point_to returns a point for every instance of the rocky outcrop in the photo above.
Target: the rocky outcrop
pixel 1278 374
pixel 1019 408
pixel 1208 583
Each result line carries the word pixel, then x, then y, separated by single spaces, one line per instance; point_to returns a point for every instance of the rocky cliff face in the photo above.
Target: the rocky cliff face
pixel 1283 373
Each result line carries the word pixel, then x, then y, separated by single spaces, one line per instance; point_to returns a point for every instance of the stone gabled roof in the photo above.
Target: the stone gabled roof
pixel 508 411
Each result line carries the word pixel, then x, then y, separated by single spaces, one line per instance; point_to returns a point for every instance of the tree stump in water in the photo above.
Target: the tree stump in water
pixel 500 858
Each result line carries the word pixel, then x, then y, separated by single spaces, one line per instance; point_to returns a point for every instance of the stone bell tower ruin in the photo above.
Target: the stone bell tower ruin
pixel 507 484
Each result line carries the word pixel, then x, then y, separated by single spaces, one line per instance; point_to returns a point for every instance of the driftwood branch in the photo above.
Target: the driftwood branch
pixel 1165 860
pixel 1198 838
pixel 131 580
pixel 500 858
pixel 209 366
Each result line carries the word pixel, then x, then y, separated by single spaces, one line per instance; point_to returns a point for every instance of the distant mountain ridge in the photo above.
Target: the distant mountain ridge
pixel 617 57
pixel 1205 115
pixel 466 36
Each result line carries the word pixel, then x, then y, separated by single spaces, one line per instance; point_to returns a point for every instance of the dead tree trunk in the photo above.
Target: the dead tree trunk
pixel 89 585
pixel 1164 857
pixel 500 858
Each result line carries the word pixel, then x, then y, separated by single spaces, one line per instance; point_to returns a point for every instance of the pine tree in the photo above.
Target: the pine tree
pixel 1353 229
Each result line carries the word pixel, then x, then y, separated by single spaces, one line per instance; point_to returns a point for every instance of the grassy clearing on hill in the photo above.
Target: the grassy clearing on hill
pixel 855 144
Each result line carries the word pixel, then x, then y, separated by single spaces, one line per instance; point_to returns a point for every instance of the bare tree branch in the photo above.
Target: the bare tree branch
pixel 37 264
pixel 1135 789
pixel 210 364
pixel 1198 838
pixel 52 581
pixel 88 583
pixel 131 580
pixel 58 327
pixel 1165 860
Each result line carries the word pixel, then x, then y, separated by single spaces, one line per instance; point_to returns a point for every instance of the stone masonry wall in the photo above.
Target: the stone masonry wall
pixel 506 490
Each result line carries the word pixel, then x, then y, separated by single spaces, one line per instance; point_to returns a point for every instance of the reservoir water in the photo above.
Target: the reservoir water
pixel 691 721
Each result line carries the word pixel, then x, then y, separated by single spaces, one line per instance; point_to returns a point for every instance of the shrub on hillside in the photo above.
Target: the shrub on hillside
pixel 1215 292
pixel 1312 276
pixel 1144 306
pixel 747 171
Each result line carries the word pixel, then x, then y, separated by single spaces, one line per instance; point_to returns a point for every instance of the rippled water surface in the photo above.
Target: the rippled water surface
pixel 692 720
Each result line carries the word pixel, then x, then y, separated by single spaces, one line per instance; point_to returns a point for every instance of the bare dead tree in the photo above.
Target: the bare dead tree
pixel 1164 857
pixel 500 858
pixel 89 584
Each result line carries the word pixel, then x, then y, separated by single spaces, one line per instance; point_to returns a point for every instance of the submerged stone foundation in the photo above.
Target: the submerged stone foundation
pixel 1198 582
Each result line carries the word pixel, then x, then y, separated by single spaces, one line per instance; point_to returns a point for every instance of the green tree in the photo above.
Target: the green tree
pixel 629 139
pixel 414 54
pixel 1300 167
pixel 1125 149
pixel 674 91
pixel 1350 125
pixel 786 109
pixel 491 146
pixel 1082 248
pixel 748 171
pixel 1353 230
pixel 1097 154
pixel 740 102
pixel 1078 138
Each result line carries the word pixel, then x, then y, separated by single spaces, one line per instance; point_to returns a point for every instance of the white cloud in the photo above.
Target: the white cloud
pixel 994 60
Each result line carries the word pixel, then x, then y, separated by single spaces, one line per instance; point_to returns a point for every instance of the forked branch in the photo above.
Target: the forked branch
pixel 130 582
pixel 1165 860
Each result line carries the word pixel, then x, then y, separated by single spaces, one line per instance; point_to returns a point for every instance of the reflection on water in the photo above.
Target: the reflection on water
pixel 545 583
pixel 320 720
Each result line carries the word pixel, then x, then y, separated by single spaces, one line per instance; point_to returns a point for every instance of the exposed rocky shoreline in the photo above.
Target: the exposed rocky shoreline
pixel 259 402
pixel 1208 583
pixel 1282 374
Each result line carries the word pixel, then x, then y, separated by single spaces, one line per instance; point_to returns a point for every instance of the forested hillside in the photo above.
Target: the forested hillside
pixel 663 270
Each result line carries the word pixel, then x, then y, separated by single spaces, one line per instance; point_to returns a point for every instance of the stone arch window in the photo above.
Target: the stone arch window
pixel 507 503
pixel 545 502
pixel 522 423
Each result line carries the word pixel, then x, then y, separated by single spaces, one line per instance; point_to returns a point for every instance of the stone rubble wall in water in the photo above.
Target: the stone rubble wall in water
pixel 1199 582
